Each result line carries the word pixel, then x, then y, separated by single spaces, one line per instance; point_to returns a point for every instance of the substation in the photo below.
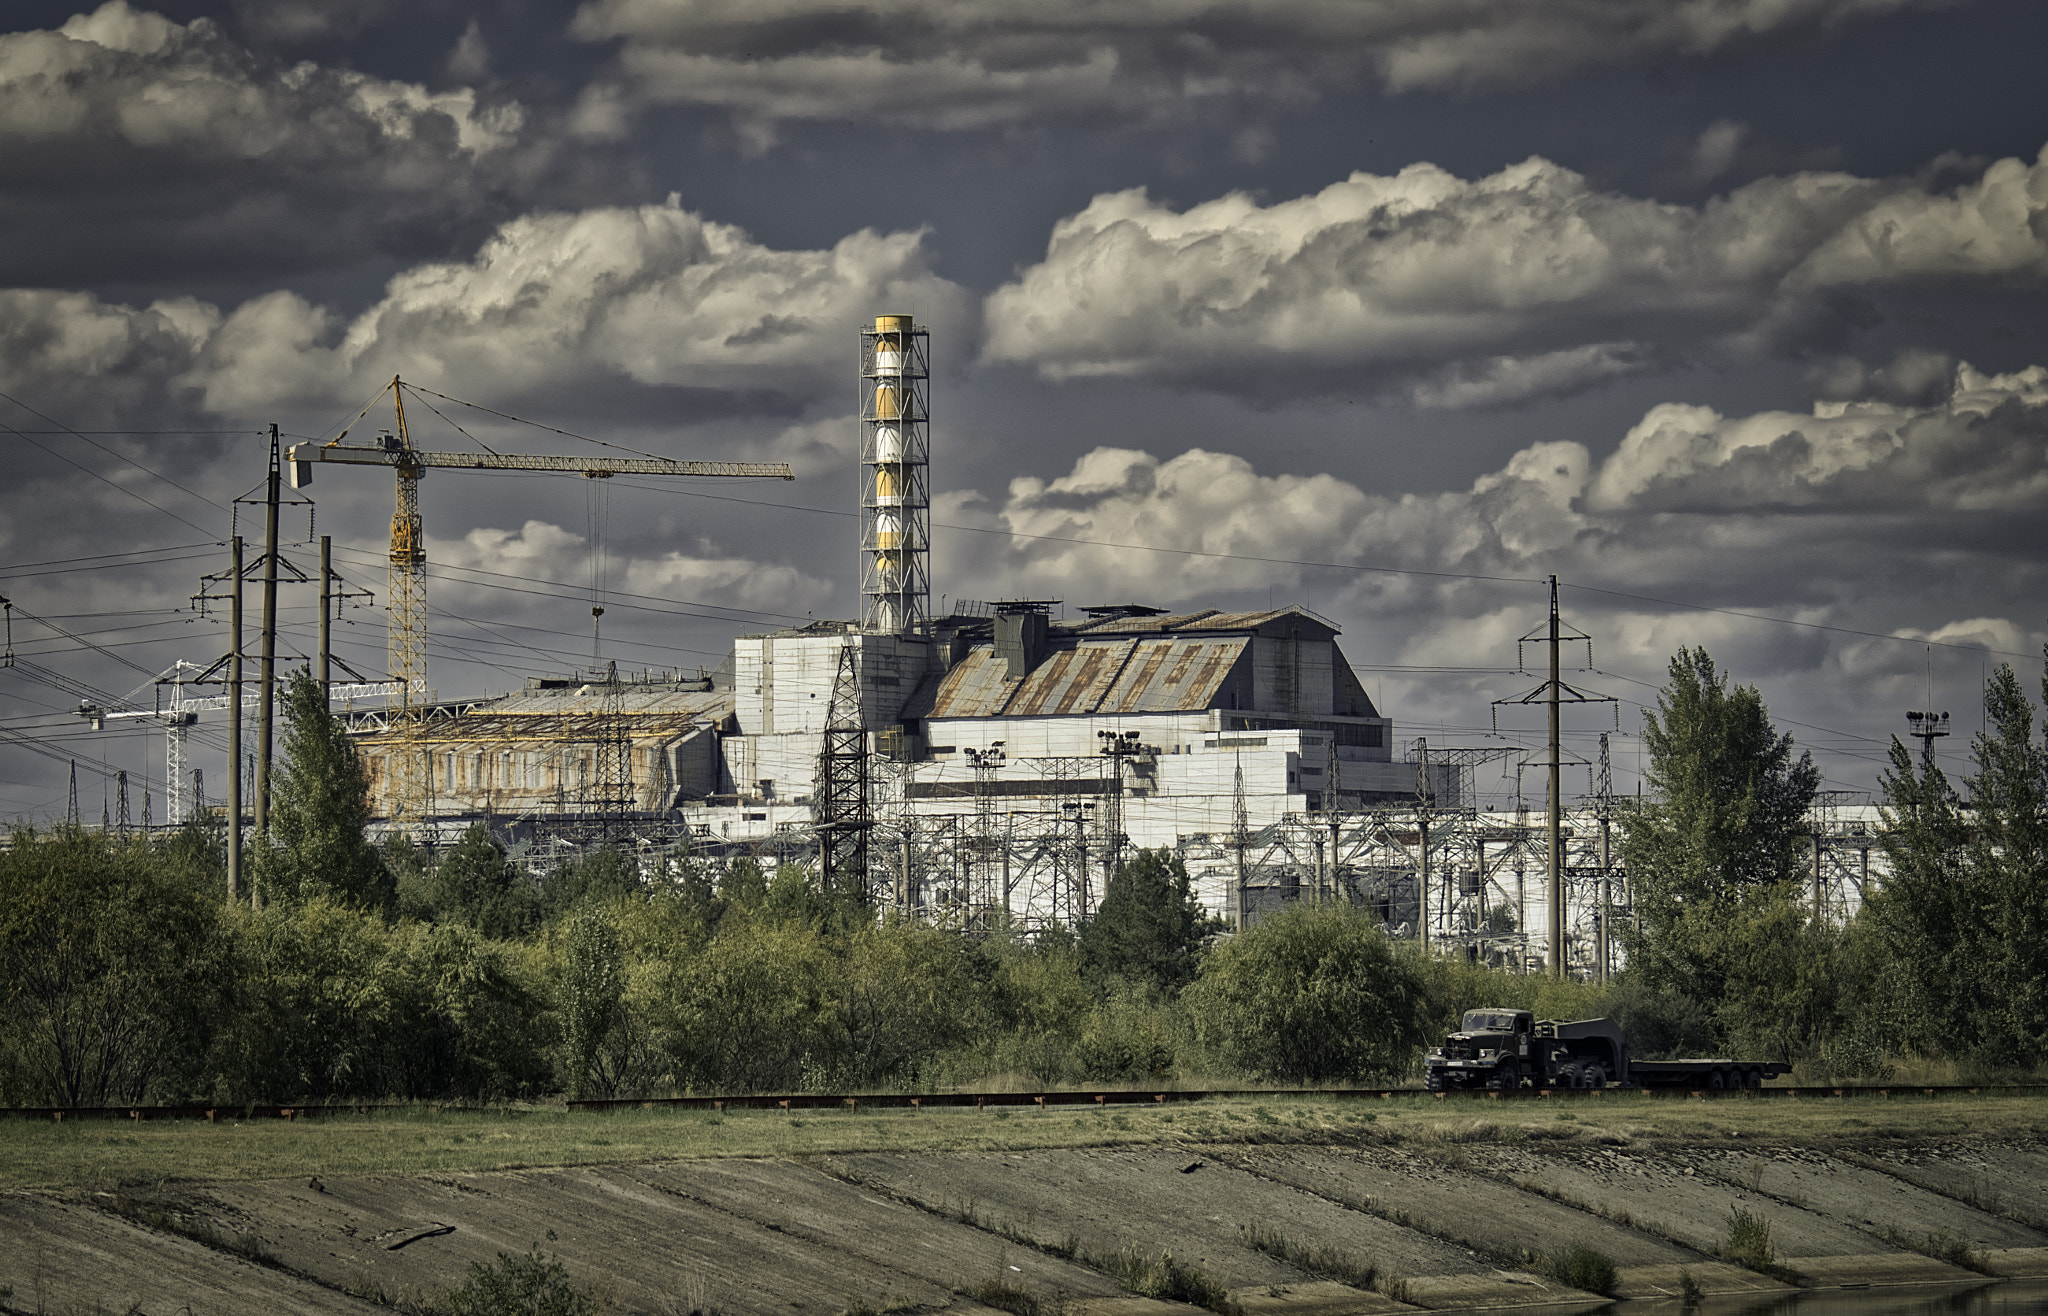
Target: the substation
pixel 986 769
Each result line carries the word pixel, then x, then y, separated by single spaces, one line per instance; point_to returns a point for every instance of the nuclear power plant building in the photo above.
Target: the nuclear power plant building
pixel 1120 725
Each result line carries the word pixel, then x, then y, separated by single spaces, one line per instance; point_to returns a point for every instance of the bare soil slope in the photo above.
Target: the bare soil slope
pixel 1458 1218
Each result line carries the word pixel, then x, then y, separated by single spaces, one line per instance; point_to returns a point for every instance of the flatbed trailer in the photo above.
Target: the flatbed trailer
pixel 1508 1050
pixel 1705 1075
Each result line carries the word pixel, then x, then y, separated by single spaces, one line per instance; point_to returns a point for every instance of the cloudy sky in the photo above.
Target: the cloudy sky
pixel 1728 313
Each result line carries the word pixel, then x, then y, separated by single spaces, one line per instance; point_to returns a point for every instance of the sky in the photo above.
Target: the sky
pixel 1728 314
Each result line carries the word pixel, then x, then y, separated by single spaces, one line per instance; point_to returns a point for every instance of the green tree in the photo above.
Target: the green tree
pixel 906 993
pixel 1150 928
pixel 603 874
pixel 113 970
pixel 1964 915
pixel 592 989
pixel 337 1003
pixel 320 805
pixel 474 884
pixel 1715 857
pixel 1310 994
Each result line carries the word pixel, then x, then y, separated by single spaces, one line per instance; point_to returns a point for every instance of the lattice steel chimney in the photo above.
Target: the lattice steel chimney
pixel 895 456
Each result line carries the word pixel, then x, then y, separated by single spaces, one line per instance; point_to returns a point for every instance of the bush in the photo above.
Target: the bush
pixel 532 1285
pixel 337 1004
pixel 1128 1036
pixel 1311 994
pixel 1749 1240
pixel 1579 1267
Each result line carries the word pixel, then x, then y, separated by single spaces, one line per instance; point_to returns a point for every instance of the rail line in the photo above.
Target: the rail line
pixel 1081 1099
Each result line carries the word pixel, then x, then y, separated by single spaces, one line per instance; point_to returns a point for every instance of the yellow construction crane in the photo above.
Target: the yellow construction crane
pixel 406 604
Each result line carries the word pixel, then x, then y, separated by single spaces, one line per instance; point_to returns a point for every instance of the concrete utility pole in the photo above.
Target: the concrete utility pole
pixel 1557 956
pixel 235 722
pixel 326 616
pixel 268 676
pixel 1424 798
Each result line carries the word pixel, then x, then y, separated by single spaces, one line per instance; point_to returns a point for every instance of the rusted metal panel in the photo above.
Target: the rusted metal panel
pixel 1209 678
pixel 1094 661
pixel 1040 685
pixel 976 686
pixel 1131 676
pixel 1129 695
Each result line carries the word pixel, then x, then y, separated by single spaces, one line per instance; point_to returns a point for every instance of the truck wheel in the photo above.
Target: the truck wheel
pixel 1567 1077
pixel 1508 1078
pixel 1596 1077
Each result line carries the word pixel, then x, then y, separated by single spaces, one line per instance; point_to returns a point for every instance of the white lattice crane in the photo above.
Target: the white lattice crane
pixel 406 602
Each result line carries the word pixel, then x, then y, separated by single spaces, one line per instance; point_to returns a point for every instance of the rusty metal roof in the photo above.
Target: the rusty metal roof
pixel 1099 676
pixel 1205 620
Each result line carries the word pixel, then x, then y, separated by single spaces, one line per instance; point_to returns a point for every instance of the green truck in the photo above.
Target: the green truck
pixel 1507 1050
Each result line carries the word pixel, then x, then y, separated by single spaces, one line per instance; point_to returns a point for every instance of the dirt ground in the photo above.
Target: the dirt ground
pixel 1454 1221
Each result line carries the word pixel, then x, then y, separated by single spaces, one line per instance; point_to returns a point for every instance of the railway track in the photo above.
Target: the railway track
pixel 1082 1099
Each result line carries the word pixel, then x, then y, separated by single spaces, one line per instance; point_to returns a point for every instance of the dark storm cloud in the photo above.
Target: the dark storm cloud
pixel 142 151
pixel 1524 284
pixel 977 64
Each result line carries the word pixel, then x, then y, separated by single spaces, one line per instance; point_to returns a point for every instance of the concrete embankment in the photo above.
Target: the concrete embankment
pixel 1460 1223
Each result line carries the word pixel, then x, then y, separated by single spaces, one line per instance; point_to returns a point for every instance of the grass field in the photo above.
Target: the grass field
pixel 111 1153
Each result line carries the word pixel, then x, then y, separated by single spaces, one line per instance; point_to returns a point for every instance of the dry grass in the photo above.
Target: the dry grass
pixel 110 1154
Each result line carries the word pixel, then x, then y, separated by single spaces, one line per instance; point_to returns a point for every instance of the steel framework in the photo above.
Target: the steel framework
pixel 840 803
pixel 895 459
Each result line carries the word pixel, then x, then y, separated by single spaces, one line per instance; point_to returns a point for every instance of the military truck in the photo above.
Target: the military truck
pixel 1506 1050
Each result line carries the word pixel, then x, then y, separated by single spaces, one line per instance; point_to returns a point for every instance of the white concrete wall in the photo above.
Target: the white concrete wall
pixel 1048 737
pixel 783 683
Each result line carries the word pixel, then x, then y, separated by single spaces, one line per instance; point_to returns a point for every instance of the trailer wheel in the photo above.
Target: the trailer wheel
pixel 1753 1079
pixel 1716 1081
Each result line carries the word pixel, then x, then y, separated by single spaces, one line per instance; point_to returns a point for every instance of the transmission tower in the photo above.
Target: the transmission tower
pixel 988 896
pixel 1554 693
pixel 840 797
pixel 610 791
pixel 1240 841
pixel 71 818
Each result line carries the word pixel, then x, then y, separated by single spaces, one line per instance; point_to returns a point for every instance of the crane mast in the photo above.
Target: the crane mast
pixel 406 581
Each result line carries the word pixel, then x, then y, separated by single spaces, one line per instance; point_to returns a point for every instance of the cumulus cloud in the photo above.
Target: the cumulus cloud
pixel 543 551
pixel 622 308
pixel 959 64
pixel 1803 510
pixel 1841 519
pixel 141 149
pixel 1526 283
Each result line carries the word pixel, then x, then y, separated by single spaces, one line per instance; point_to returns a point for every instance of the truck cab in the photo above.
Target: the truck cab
pixel 1493 1048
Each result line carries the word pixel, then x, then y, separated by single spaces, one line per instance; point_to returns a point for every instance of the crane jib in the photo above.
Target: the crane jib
pixel 303 455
